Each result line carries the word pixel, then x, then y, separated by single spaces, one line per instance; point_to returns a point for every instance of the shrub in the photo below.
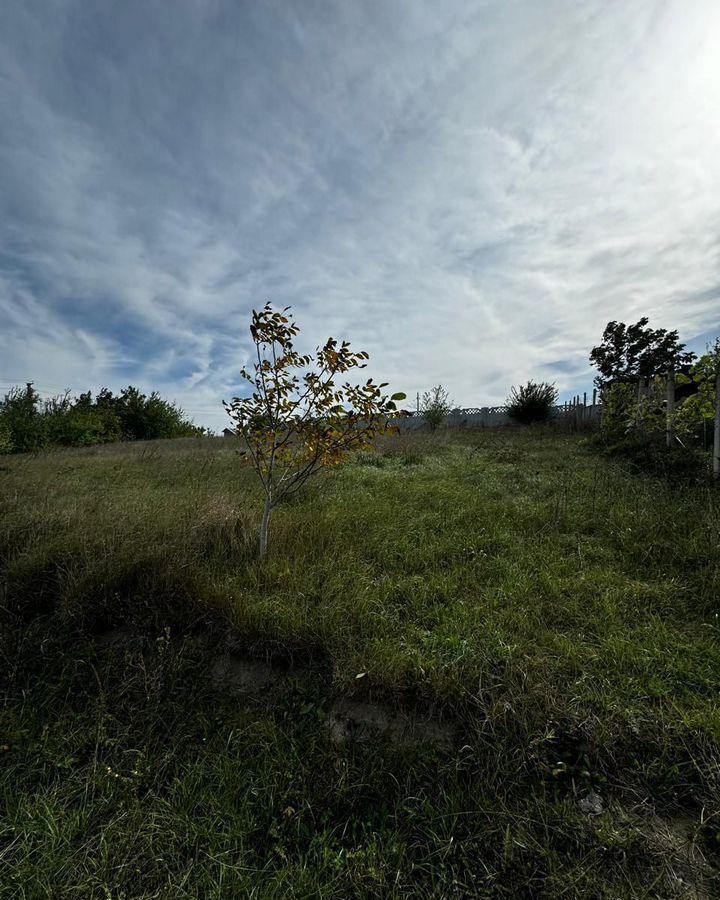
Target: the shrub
pixel 634 426
pixel 625 413
pixel 693 418
pixel 147 418
pixel 22 419
pixel 644 452
pixel 532 402
pixel 435 406
pixel 6 443
pixel 28 423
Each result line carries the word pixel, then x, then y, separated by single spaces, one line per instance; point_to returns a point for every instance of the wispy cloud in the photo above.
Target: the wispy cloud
pixel 469 191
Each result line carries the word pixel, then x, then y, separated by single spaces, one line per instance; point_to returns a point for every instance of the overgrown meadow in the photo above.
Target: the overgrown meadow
pixel 553 612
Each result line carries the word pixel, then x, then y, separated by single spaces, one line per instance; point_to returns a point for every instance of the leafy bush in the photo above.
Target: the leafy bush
pixel 632 417
pixel 625 413
pixel 643 451
pixel 22 421
pixel 693 418
pixel 532 402
pixel 28 423
pixel 634 423
pixel 435 406
pixel 144 418
pixel 6 443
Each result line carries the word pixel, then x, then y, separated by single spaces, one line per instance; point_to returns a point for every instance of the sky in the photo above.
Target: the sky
pixel 469 190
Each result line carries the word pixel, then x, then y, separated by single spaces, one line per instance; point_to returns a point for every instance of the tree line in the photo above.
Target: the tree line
pixel 29 423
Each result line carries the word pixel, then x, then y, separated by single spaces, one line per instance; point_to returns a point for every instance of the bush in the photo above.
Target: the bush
pixel 634 427
pixel 435 406
pixel 28 423
pixel 532 402
pixel 147 418
pixel 643 451
pixel 626 414
pixel 22 421
pixel 6 442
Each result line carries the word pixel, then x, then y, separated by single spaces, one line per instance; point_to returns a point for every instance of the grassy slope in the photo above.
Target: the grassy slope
pixel 561 611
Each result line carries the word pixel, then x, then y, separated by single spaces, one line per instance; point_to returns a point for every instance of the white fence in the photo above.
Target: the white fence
pixel 577 412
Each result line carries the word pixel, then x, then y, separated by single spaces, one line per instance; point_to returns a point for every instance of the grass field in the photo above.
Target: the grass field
pixel 554 615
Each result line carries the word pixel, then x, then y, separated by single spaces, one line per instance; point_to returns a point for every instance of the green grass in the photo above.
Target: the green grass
pixel 559 610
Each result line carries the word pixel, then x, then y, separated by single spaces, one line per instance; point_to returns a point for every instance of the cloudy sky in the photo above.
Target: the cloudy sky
pixel 467 189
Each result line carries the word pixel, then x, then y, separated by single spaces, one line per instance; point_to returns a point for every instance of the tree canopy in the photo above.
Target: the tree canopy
pixel 28 423
pixel 630 352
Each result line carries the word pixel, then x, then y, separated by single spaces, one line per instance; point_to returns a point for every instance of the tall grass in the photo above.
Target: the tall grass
pixel 559 609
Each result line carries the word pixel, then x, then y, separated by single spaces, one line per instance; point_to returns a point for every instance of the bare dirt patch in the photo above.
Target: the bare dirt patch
pixel 346 719
pixel 353 719
pixel 244 677
pixel 688 873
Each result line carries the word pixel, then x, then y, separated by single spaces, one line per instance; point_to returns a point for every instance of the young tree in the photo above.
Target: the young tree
pixel 295 424
pixel 435 406
pixel 630 352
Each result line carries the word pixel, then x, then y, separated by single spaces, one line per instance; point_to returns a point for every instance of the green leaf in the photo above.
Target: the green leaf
pixel 681 379
pixel 399 396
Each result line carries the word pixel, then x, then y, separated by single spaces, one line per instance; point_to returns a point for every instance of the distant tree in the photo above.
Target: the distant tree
pixel 29 423
pixel 630 352
pixel 22 420
pixel 532 402
pixel 97 420
pixel 435 406
pixel 78 423
pixel 146 418
pixel 295 424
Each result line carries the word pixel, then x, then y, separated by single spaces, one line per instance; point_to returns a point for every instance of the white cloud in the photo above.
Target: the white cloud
pixel 469 191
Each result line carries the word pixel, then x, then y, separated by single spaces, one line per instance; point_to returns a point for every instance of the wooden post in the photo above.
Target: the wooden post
pixel 594 403
pixel 716 436
pixel 669 408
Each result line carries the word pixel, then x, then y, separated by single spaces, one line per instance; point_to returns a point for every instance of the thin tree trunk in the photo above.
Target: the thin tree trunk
pixel 264 528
